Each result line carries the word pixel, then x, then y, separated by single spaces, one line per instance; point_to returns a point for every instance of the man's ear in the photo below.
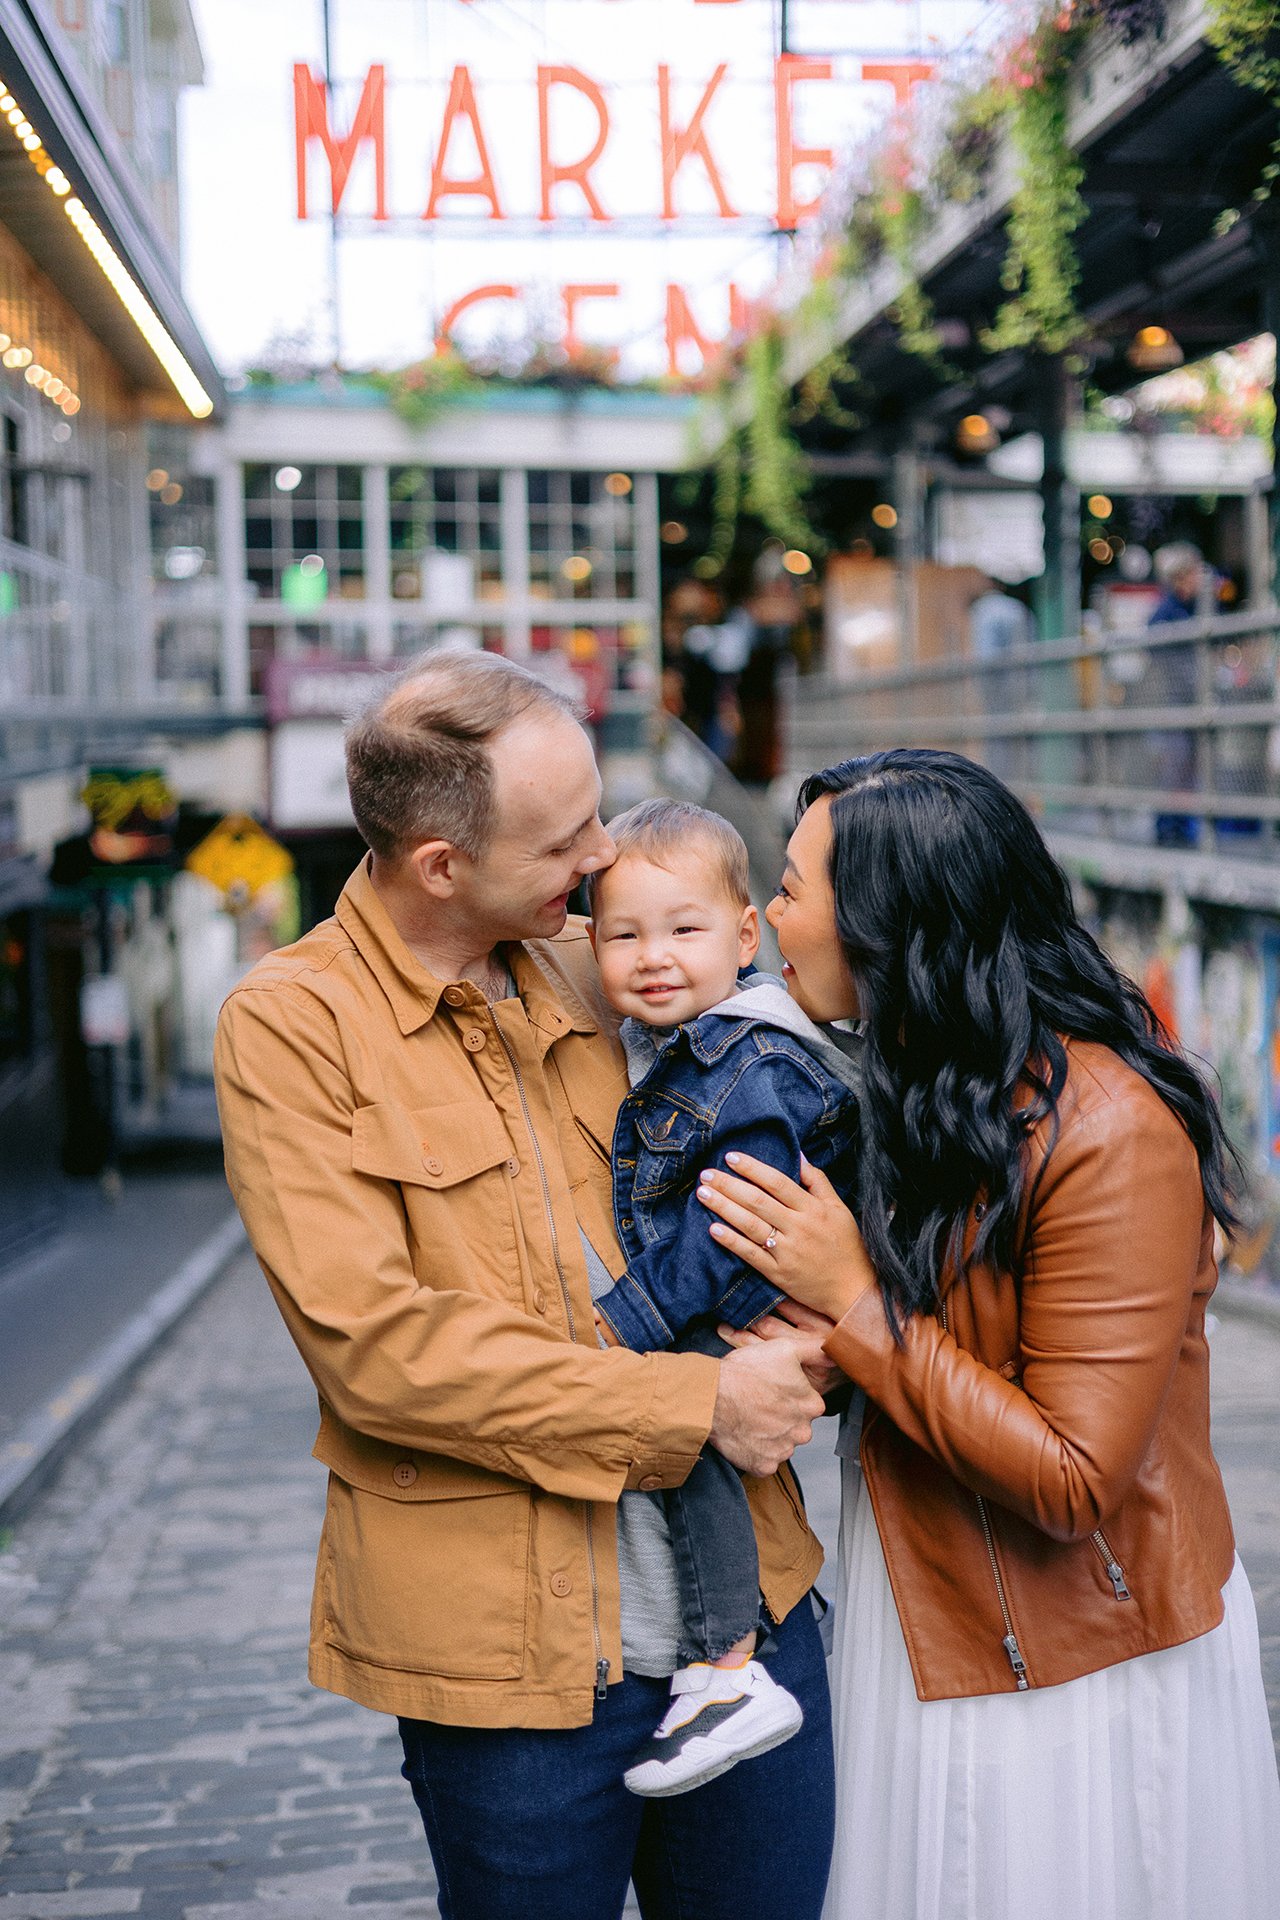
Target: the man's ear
pixel 435 867
pixel 748 936
pixel 591 934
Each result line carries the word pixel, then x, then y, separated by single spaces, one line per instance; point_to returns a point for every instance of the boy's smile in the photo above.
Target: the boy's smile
pixel 669 940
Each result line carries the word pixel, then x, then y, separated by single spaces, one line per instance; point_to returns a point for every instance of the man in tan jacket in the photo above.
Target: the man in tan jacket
pixel 417 1102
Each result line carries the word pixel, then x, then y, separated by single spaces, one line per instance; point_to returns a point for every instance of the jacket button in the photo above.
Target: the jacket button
pixel 404 1473
pixel 540 1300
pixel 624 1224
pixel 650 1483
pixel 561 1584
pixel 454 996
pixel 474 1040
pixel 431 1164
pixel 513 1166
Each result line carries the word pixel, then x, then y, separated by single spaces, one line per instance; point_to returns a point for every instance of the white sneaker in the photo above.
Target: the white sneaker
pixel 717 1716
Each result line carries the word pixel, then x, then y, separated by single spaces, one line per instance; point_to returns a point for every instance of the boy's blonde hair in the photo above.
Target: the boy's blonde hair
pixel 657 829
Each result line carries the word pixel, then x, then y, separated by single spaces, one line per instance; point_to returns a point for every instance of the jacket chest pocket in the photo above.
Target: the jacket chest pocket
pixel 457 1171
pixel 670 1141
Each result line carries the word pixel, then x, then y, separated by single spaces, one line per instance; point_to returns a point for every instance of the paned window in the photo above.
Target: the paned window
pixel 454 512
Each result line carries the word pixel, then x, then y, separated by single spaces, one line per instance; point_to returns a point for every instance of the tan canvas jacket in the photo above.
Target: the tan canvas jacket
pixel 412 1166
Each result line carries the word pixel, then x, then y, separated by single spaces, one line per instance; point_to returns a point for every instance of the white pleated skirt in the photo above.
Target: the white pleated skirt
pixel 1147 1791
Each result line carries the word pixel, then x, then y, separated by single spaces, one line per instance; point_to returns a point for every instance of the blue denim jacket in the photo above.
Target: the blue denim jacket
pixel 752 1075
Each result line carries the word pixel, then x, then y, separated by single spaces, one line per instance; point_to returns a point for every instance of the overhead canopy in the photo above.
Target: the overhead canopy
pixel 75 133
pixel 1169 143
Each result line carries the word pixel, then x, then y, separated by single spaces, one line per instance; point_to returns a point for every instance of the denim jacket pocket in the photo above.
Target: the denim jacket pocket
pixel 670 1129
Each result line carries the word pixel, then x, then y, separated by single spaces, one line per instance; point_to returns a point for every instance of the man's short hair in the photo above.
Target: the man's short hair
pixel 418 760
pixel 657 829
pixel 1179 557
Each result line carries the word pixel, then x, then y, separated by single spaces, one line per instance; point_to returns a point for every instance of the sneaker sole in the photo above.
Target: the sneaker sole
pixel 711 1769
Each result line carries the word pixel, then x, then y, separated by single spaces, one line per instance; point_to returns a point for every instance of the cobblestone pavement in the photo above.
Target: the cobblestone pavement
pixel 161 1753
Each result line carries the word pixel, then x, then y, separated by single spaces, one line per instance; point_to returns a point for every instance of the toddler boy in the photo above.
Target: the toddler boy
pixel 715 1066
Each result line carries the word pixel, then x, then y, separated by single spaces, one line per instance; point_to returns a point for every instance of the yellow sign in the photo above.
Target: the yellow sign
pixel 240 858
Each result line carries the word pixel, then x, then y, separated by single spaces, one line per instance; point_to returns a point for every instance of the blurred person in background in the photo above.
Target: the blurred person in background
pixel 1185 583
pixel 999 623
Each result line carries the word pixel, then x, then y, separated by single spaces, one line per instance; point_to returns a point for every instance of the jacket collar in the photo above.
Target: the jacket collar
pixel 414 992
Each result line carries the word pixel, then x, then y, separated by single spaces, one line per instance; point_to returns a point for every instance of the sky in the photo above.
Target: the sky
pixel 255 273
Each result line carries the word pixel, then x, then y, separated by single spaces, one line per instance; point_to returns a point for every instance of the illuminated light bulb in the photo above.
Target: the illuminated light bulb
pixel 884 515
pixel 171 494
pixel 1154 350
pixel 976 434
pixel 70 403
pixel 797 562
pixel 6 101
pixel 140 311
pixel 58 180
pixel 22 127
pixel 5 342
pixel 577 568
pixel 31 142
pixel 18 357
pixel 55 388
pixel 618 484
pixel 157 478
pixel 1100 550
pixel 310 565
pixel 35 375
pixel 14 115
pixel 287 478
pixel 1100 506
pixel 673 532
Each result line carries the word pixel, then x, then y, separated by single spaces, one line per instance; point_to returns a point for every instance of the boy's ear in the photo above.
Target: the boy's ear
pixel 748 936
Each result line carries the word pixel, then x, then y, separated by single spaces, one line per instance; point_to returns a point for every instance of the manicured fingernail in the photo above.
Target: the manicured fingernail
pixel 718 1230
pixel 706 1178
pixel 733 1158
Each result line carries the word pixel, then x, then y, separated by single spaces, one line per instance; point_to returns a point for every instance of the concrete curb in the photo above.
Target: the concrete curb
pixel 28 1459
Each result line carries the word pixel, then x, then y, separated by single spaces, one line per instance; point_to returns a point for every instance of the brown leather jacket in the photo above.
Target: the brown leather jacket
pixel 413 1167
pixel 1038 1454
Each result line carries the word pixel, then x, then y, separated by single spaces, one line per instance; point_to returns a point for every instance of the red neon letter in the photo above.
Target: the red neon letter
pixel 459 307
pixel 571 296
pixel 683 329
pixel 788 69
pixel 311 122
pixel 678 146
pixel 578 171
pixel 902 75
pixel 462 104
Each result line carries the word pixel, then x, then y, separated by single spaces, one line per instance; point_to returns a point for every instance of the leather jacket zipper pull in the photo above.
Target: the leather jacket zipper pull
pixel 602 1679
pixel 1115 1574
pixel 1016 1661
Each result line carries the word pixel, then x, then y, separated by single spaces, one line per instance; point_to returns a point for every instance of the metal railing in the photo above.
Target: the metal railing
pixel 1162 736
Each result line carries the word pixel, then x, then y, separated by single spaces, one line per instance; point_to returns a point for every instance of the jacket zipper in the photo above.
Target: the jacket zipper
pixel 1013 1652
pixel 1115 1572
pixel 602 1665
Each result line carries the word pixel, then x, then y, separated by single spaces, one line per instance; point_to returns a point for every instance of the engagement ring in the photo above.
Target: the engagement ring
pixel 771 1243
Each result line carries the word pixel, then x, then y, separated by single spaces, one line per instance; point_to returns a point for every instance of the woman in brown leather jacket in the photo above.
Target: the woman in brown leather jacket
pixel 1047 1681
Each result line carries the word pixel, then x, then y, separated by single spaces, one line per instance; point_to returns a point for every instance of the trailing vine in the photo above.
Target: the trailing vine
pixel 775 480
pixel 1041 271
pixel 1244 35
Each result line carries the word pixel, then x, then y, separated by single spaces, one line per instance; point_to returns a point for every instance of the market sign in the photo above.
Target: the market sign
pixel 134 812
pixel 656 119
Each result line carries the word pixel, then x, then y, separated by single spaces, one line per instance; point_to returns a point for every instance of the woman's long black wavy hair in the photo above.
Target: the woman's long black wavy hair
pixel 970 966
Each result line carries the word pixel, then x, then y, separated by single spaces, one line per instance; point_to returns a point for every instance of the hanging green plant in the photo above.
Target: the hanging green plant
pixel 1042 271
pixel 1246 36
pixel 421 391
pixel 776 477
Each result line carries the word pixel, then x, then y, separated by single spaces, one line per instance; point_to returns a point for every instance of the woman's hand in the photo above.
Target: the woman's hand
pixel 801 1238
pixel 803 1326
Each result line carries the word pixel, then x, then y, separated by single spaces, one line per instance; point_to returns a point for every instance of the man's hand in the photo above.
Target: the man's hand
pixel 765 1407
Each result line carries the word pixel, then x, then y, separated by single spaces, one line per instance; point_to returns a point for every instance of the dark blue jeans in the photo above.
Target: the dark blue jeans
pixel 713 1540
pixel 537 1825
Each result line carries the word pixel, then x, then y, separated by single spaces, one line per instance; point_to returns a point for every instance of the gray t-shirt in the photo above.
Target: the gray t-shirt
pixel 650 1598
